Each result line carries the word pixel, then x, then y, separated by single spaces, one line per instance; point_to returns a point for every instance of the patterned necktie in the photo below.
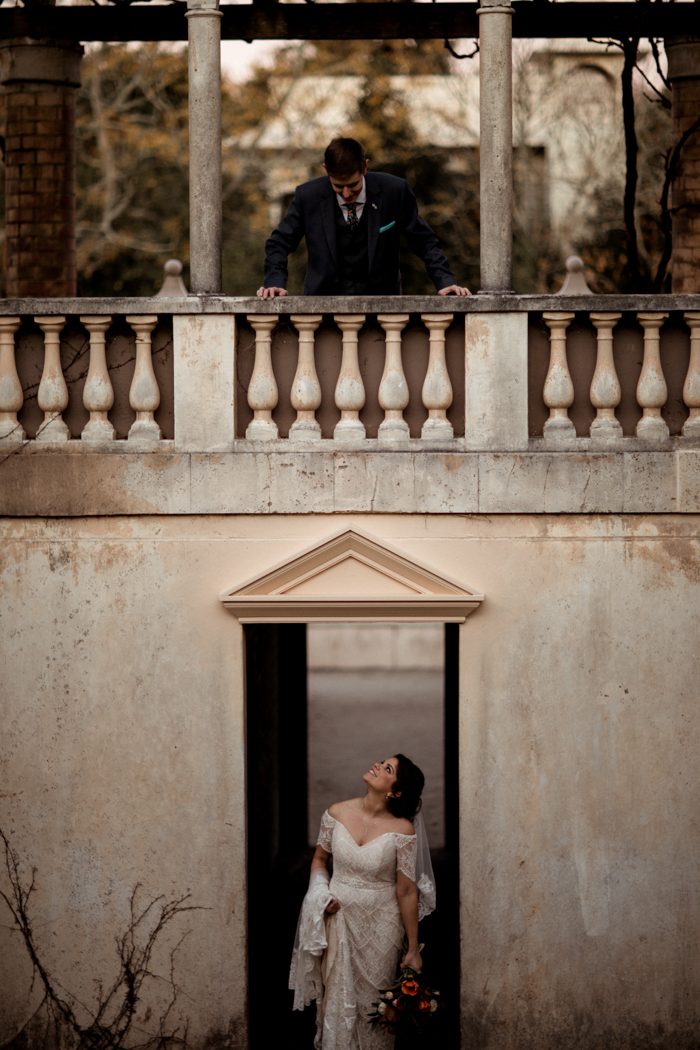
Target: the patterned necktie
pixel 353 221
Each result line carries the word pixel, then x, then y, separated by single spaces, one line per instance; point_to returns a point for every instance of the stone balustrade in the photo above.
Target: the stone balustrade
pixel 491 373
pixel 357 378
pixel 614 379
pixel 95 378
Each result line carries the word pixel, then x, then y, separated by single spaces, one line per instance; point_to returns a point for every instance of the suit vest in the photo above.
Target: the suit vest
pixel 353 255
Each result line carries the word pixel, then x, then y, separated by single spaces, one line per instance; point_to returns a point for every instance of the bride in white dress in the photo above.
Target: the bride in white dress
pixel 353 925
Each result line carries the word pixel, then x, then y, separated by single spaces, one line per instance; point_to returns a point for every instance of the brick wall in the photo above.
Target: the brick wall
pixel 39 87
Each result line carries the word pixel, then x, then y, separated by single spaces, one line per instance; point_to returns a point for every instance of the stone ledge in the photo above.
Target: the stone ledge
pixel 48 484
pixel 306 304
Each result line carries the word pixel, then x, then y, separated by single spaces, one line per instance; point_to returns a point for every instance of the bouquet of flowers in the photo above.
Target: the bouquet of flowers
pixel 407 1002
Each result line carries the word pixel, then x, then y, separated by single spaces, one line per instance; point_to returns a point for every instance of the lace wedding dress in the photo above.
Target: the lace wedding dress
pixel 365 935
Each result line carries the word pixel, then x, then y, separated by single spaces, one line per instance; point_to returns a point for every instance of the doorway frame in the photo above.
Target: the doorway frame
pixel 314 586
pixel 317 586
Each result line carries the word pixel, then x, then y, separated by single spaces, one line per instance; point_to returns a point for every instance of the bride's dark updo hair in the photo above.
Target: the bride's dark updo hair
pixel 409 782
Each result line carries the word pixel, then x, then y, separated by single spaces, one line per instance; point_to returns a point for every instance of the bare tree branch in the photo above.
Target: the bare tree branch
pixel 455 54
pixel 657 59
pixel 630 48
pixel 18 903
pixel 661 97
pixel 673 159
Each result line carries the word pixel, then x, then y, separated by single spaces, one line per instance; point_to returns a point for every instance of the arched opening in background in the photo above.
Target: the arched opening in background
pixel 322 701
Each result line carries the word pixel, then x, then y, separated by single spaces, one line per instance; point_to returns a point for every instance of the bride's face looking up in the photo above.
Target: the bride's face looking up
pixel 382 775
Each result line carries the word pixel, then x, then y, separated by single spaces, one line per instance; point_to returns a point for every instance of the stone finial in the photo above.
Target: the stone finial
pixel 173 283
pixel 203 6
pixel 575 281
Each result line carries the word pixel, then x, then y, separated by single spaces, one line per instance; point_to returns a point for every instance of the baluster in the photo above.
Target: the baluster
pixel 144 395
pixel 98 393
pixel 437 388
pixel 691 387
pixel 11 394
pixel 262 389
pixel 350 389
pixel 606 391
pixel 53 392
pixel 558 388
pixel 652 391
pixel 393 388
pixel 306 389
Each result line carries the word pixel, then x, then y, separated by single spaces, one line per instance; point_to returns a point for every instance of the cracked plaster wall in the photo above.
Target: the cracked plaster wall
pixel 123 752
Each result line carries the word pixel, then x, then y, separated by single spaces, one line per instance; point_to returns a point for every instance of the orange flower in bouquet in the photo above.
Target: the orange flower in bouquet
pixel 410 987
pixel 408 1002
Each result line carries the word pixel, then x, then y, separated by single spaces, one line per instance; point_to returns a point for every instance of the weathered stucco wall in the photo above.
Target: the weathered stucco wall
pixel 579 789
pixel 123 758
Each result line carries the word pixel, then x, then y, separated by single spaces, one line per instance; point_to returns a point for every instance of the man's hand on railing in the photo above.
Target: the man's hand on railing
pixel 270 293
pixel 454 289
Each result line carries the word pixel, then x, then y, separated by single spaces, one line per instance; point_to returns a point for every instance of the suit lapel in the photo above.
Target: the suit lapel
pixel 327 210
pixel 374 218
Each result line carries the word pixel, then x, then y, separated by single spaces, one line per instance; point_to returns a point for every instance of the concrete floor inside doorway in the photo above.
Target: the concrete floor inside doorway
pixel 358 717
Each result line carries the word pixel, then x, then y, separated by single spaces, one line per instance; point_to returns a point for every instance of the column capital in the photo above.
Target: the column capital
pixel 203 7
pixel 557 319
pixel 41 61
pixel 605 319
pixel 683 53
pixel 494 7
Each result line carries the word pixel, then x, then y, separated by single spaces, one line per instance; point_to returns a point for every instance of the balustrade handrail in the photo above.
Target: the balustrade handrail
pixel 563 372
pixel 300 304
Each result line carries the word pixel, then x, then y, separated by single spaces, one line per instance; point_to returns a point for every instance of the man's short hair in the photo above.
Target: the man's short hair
pixel 344 157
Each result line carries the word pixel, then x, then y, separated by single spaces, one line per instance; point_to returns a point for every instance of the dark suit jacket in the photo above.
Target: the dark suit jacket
pixel 391 211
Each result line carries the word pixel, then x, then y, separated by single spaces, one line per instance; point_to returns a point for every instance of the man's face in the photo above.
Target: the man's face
pixel 348 187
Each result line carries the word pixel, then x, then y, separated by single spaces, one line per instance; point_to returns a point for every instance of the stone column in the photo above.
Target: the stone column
pixel 496 144
pixel 204 36
pixel 39 80
pixel 684 74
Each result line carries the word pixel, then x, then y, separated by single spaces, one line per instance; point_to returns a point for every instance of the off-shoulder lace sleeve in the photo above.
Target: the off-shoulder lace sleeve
pixel 406 856
pixel 325 832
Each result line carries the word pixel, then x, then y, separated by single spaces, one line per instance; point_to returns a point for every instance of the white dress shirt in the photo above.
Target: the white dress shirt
pixel 359 202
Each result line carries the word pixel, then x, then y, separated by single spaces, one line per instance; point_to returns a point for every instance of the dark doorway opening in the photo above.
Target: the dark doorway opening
pixel 280 839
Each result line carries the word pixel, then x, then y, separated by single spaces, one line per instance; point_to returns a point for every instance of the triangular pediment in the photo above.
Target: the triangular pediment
pixel 350 576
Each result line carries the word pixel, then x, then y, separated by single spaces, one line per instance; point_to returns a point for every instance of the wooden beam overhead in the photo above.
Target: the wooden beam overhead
pixel 351 21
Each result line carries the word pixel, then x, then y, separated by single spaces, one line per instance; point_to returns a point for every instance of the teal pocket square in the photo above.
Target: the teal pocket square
pixel 383 229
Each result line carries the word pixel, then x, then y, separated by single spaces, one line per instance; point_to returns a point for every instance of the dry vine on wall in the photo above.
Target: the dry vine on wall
pixel 111 1023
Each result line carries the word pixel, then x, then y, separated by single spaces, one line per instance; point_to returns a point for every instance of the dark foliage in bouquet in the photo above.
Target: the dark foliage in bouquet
pixel 408 1004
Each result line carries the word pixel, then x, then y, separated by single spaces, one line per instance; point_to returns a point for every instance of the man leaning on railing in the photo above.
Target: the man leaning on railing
pixel 352 220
